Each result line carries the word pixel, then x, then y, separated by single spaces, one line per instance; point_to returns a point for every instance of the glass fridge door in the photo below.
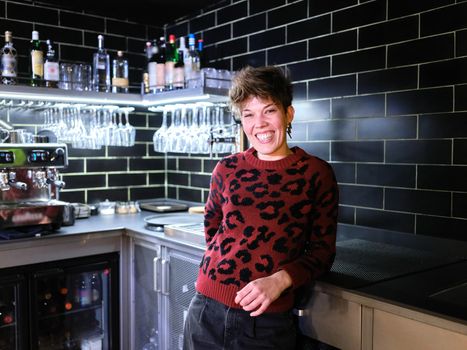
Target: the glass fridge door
pixel 181 279
pixel 11 336
pixel 72 309
pixel 146 296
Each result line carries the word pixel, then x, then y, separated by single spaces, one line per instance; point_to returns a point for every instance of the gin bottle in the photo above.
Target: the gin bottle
pixel 8 65
pixel 101 67
pixel 120 73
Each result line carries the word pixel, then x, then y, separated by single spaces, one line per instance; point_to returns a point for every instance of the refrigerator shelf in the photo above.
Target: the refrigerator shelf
pixel 71 312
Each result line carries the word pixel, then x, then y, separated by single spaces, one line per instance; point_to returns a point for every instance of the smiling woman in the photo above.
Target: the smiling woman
pixel 270 226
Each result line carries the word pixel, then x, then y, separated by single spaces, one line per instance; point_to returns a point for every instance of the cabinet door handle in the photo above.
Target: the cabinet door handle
pixel 300 312
pixel 155 264
pixel 165 277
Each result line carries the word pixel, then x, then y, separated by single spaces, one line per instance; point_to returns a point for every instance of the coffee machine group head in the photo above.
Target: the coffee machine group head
pixel 30 184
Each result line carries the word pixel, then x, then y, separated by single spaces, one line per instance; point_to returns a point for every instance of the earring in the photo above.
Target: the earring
pixel 289 130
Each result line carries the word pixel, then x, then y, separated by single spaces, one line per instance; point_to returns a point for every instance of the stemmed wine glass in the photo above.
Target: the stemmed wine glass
pixel 160 136
pixel 128 130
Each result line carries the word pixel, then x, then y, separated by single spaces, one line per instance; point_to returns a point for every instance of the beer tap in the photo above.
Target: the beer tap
pixel 16 184
pixel 4 186
pixel 52 179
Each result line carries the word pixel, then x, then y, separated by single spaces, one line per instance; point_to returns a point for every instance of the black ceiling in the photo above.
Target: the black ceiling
pixel 154 12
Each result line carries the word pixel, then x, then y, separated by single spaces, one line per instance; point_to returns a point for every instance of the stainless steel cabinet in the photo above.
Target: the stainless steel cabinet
pixel 163 285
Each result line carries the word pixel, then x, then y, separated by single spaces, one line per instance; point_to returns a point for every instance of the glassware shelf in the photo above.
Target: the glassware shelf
pixel 39 96
pixel 9 325
pixel 71 312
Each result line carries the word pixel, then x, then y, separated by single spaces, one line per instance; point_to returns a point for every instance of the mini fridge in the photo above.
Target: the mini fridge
pixel 67 304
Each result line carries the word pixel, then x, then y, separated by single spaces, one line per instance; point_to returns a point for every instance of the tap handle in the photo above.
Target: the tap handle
pixel 19 185
pixel 59 184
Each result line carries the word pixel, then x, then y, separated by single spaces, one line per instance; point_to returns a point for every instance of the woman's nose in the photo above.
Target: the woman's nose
pixel 260 120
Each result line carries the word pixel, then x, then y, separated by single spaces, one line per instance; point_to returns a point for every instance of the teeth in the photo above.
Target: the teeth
pixel 265 137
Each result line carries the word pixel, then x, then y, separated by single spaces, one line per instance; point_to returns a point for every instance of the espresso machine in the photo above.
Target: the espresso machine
pixel 29 188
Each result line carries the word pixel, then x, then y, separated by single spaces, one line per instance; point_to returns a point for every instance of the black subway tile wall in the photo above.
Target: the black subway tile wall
pixel 380 90
pixel 114 173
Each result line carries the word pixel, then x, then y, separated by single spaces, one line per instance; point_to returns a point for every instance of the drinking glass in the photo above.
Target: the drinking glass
pixel 224 79
pixel 160 136
pixel 77 79
pixel 128 129
pixel 66 76
pixel 209 77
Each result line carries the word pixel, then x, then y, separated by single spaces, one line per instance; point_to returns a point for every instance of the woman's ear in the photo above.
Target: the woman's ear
pixel 290 114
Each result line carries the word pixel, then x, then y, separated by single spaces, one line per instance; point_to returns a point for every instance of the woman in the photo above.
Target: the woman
pixel 270 226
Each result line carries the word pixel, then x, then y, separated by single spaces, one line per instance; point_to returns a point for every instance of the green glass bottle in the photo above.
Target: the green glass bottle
pixel 37 60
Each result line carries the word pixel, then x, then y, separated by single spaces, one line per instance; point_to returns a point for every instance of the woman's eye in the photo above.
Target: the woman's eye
pixel 247 115
pixel 269 111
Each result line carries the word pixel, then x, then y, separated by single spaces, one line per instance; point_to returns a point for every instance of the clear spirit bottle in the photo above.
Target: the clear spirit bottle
pixel 8 65
pixel 101 67
pixel 120 73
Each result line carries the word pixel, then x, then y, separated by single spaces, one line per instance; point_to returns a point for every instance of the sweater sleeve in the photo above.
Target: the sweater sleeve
pixel 213 207
pixel 320 247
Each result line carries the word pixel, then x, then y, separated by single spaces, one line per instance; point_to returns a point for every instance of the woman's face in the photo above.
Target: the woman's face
pixel 264 124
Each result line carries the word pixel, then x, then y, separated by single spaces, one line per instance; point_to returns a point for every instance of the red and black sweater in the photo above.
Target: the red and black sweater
pixel 266 216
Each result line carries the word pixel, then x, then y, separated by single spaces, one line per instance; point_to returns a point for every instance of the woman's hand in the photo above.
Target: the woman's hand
pixel 260 293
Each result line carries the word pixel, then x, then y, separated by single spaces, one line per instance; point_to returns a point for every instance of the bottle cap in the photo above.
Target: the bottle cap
pixel 8 35
pixel 172 38
pixel 35 35
pixel 119 53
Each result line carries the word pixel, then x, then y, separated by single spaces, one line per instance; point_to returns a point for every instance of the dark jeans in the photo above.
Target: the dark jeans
pixel 211 325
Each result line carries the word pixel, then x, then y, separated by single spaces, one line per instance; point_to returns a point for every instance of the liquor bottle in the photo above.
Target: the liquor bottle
pixel 186 54
pixel 172 58
pixel 152 55
pixel 101 67
pixel 148 53
pixel 69 343
pixel 47 302
pixel 37 60
pixel 192 64
pixel 7 314
pixel 160 65
pixel 65 295
pixel 51 75
pixel 202 58
pixel 85 290
pixel 120 73
pixel 179 72
pixel 96 288
pixel 8 61
pixel 153 343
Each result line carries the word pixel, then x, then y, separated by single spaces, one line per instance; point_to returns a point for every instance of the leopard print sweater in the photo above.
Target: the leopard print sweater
pixel 265 216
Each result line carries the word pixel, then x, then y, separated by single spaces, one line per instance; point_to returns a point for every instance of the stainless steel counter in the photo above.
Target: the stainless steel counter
pixel 368 261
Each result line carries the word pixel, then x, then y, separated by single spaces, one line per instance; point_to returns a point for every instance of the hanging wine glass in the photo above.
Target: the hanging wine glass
pixel 129 130
pixel 160 136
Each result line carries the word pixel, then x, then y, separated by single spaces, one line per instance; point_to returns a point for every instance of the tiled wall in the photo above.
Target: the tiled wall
pixel 114 173
pixel 379 89
pixel 380 92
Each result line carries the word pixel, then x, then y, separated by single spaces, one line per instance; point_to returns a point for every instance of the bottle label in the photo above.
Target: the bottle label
pixel 9 66
pixel 51 72
pixel 179 77
pixel 101 65
pixel 120 82
pixel 37 58
pixel 152 73
pixel 169 73
pixel 160 76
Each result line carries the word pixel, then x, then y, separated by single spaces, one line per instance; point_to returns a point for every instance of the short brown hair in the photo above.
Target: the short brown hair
pixel 263 82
